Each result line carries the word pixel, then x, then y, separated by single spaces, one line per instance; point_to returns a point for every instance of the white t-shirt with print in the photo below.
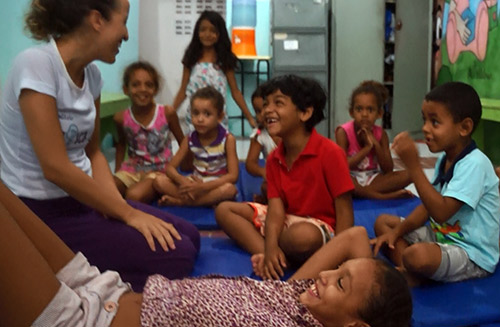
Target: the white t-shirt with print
pixel 41 69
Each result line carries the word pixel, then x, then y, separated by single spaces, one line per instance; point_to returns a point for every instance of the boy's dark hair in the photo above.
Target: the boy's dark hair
pixel 461 100
pixel 226 59
pixel 210 93
pixel 304 92
pixel 46 18
pixel 257 93
pixel 370 87
pixel 390 303
pixel 141 65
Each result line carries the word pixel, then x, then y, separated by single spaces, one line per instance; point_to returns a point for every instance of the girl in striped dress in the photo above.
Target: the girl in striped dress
pixel 212 150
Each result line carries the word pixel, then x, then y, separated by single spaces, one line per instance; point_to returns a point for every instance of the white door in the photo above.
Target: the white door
pixel 412 65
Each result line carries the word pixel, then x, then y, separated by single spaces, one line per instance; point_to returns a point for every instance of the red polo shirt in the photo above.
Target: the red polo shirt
pixel 318 175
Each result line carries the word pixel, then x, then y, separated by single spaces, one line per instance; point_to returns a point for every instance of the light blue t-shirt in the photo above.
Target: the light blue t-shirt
pixel 475 227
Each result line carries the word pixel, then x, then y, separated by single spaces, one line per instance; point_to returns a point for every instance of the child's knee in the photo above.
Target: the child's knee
pixel 223 211
pixel 383 223
pixel 134 195
pixel 158 181
pixel 228 190
pixel 357 234
pixel 416 258
pixel 301 239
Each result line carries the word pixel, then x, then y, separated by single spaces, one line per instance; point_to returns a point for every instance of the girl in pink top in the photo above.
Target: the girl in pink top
pixel 367 146
pixel 143 130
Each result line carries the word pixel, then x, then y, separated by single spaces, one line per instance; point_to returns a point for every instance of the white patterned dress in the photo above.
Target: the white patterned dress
pixel 206 74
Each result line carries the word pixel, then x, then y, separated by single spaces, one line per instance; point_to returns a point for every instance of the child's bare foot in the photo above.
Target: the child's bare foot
pixel 167 200
pixel 258 264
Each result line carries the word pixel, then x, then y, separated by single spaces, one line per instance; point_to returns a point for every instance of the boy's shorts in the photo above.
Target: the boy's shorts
pixel 259 220
pixel 86 297
pixel 365 177
pixel 455 263
pixel 130 179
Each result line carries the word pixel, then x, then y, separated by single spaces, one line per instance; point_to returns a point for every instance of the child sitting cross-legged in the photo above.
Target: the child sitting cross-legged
pixel 462 203
pixel 309 186
pixel 213 152
pixel 367 146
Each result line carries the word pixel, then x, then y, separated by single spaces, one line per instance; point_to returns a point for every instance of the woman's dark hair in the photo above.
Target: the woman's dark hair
pixel 225 57
pixel 304 92
pixel 210 93
pixel 370 87
pixel 461 100
pixel 390 304
pixel 46 18
pixel 141 65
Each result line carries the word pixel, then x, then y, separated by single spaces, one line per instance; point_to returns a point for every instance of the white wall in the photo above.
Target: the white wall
pixel 357 50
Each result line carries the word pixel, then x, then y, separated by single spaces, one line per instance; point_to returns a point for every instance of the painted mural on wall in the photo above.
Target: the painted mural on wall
pixel 467 44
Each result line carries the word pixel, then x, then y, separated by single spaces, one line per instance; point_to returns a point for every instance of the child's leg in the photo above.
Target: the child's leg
pixel 386 223
pixel 390 182
pixel 300 241
pixel 168 189
pixel 422 259
pixel 27 279
pixel 142 191
pixel 122 188
pixel 224 192
pixel 49 245
pixel 351 243
pixel 236 220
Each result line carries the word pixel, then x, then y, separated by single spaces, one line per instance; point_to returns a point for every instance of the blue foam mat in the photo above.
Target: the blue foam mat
pixel 220 255
pixel 469 303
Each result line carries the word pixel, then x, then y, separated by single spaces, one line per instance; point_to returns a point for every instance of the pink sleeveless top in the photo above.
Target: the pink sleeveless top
pixel 370 161
pixel 149 148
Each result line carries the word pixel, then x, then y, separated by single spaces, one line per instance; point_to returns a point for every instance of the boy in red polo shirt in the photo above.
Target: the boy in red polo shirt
pixel 309 185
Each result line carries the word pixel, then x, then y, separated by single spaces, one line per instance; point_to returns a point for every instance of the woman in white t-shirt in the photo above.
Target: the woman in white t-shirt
pixel 49 144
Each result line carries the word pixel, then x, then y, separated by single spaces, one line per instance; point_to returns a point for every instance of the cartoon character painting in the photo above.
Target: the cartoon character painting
pixel 466 44
pixel 467 27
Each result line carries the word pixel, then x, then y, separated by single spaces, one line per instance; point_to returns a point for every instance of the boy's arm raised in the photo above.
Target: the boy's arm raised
pixel 439 207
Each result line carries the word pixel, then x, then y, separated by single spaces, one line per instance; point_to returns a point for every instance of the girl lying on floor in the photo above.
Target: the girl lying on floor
pixel 362 291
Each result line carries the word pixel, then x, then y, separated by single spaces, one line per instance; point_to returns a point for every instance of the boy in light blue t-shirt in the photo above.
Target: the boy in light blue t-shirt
pixel 462 204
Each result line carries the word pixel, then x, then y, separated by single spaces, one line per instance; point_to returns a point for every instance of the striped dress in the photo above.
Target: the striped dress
pixel 209 161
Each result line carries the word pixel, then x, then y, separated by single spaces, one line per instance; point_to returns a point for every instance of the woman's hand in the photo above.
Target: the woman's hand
pixel 153 228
